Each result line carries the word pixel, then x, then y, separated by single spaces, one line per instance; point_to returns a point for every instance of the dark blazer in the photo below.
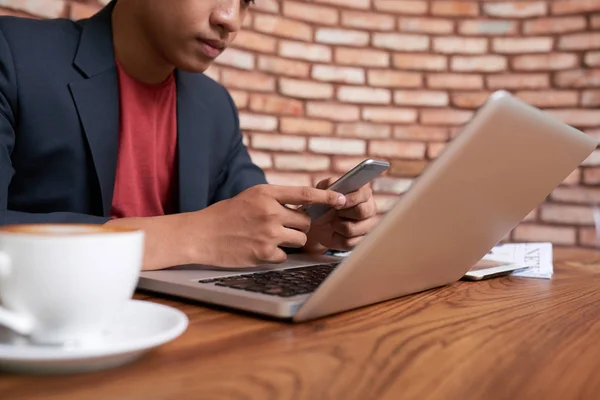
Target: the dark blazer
pixel 59 126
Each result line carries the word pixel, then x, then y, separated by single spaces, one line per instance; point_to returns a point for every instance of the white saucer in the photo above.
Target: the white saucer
pixel 140 327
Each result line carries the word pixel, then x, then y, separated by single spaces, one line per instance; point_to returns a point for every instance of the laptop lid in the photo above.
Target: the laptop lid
pixel 502 165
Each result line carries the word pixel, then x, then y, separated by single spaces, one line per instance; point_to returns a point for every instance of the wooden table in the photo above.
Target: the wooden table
pixel 507 338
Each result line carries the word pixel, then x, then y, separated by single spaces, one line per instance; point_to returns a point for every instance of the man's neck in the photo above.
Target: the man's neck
pixel 133 51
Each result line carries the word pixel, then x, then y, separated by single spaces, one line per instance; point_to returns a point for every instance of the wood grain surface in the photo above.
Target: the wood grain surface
pixel 506 338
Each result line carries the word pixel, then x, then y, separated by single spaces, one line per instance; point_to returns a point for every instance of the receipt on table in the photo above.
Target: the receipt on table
pixel 536 257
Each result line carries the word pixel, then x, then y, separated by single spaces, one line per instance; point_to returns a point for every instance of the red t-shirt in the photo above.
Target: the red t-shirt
pixel 145 183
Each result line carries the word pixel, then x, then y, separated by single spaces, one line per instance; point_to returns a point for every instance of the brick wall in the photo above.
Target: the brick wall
pixel 323 84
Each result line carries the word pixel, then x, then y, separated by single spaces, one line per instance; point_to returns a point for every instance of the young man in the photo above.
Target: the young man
pixel 111 121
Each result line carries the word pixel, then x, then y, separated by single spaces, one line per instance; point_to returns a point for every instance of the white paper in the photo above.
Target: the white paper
pixel 537 257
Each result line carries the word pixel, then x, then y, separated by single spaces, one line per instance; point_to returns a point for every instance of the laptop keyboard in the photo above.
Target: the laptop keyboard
pixel 282 283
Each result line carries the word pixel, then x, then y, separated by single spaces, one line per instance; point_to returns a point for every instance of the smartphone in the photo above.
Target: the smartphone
pixel 353 180
pixel 486 269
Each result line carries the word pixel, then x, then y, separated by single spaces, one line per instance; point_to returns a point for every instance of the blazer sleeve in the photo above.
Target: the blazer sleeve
pixel 240 172
pixel 8 122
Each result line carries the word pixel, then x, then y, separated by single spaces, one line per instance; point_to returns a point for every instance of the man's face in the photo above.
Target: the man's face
pixel 190 34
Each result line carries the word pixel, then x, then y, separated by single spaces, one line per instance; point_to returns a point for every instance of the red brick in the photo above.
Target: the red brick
pixel 331 73
pixel 389 115
pixel 435 149
pixel 213 72
pixel 588 237
pixel 420 98
pixel 401 41
pixel 271 6
pixel 469 99
pixel 425 25
pixel 301 162
pixel 262 159
pixel 305 126
pixel 579 78
pixel 591 176
pixel 452 8
pixel 550 61
pixel 581 195
pixel 554 25
pixel 345 37
pixel 518 81
pixel 522 45
pixel 247 80
pixel 397 150
pixel 420 132
pixel 391 185
pixel 592 58
pixel 337 146
pixel 310 12
pixel 40 8
pixel 595 21
pixel 565 214
pixel 592 160
pixel 281 66
pixel 305 89
pixel 580 118
pixel 407 168
pixel 580 41
pixel 246 139
pixel 247 22
pixel 304 51
pixel 284 27
pixel 255 41
pixel 390 78
pixel 81 11
pixel 385 202
pixel 421 62
pixel 487 27
pixel 236 58
pixel 257 122
pixel 415 7
pixel 445 117
pixel 364 130
pixel 458 45
pixel 574 6
pixel 240 98
pixel 276 142
pixel 273 104
pixel 544 233
pixel 454 81
pixel 343 163
pixel 288 179
pixel 333 111
pixel 362 57
pixel 593 132
pixel 489 63
pixel 591 98
pixel 549 98
pixel 364 95
pixel 515 10
pixel 362 4
pixel 368 20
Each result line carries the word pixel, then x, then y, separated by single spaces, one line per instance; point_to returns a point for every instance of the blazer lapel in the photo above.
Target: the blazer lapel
pixel 193 143
pixel 97 99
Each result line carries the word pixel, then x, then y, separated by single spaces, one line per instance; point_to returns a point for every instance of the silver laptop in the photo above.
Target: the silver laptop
pixel 502 165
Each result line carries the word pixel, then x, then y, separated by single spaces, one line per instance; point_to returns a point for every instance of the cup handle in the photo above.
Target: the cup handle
pixel 11 320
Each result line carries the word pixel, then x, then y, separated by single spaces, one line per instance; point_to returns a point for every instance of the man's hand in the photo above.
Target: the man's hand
pixel 249 229
pixel 342 229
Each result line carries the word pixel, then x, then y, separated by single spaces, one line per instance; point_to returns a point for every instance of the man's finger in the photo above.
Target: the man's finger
pixel 292 238
pixel 300 195
pixel 362 195
pixel 350 229
pixel 325 183
pixel 360 212
pixel 296 219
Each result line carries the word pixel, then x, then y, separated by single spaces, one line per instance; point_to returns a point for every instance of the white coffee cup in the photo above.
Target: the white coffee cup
pixel 61 284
